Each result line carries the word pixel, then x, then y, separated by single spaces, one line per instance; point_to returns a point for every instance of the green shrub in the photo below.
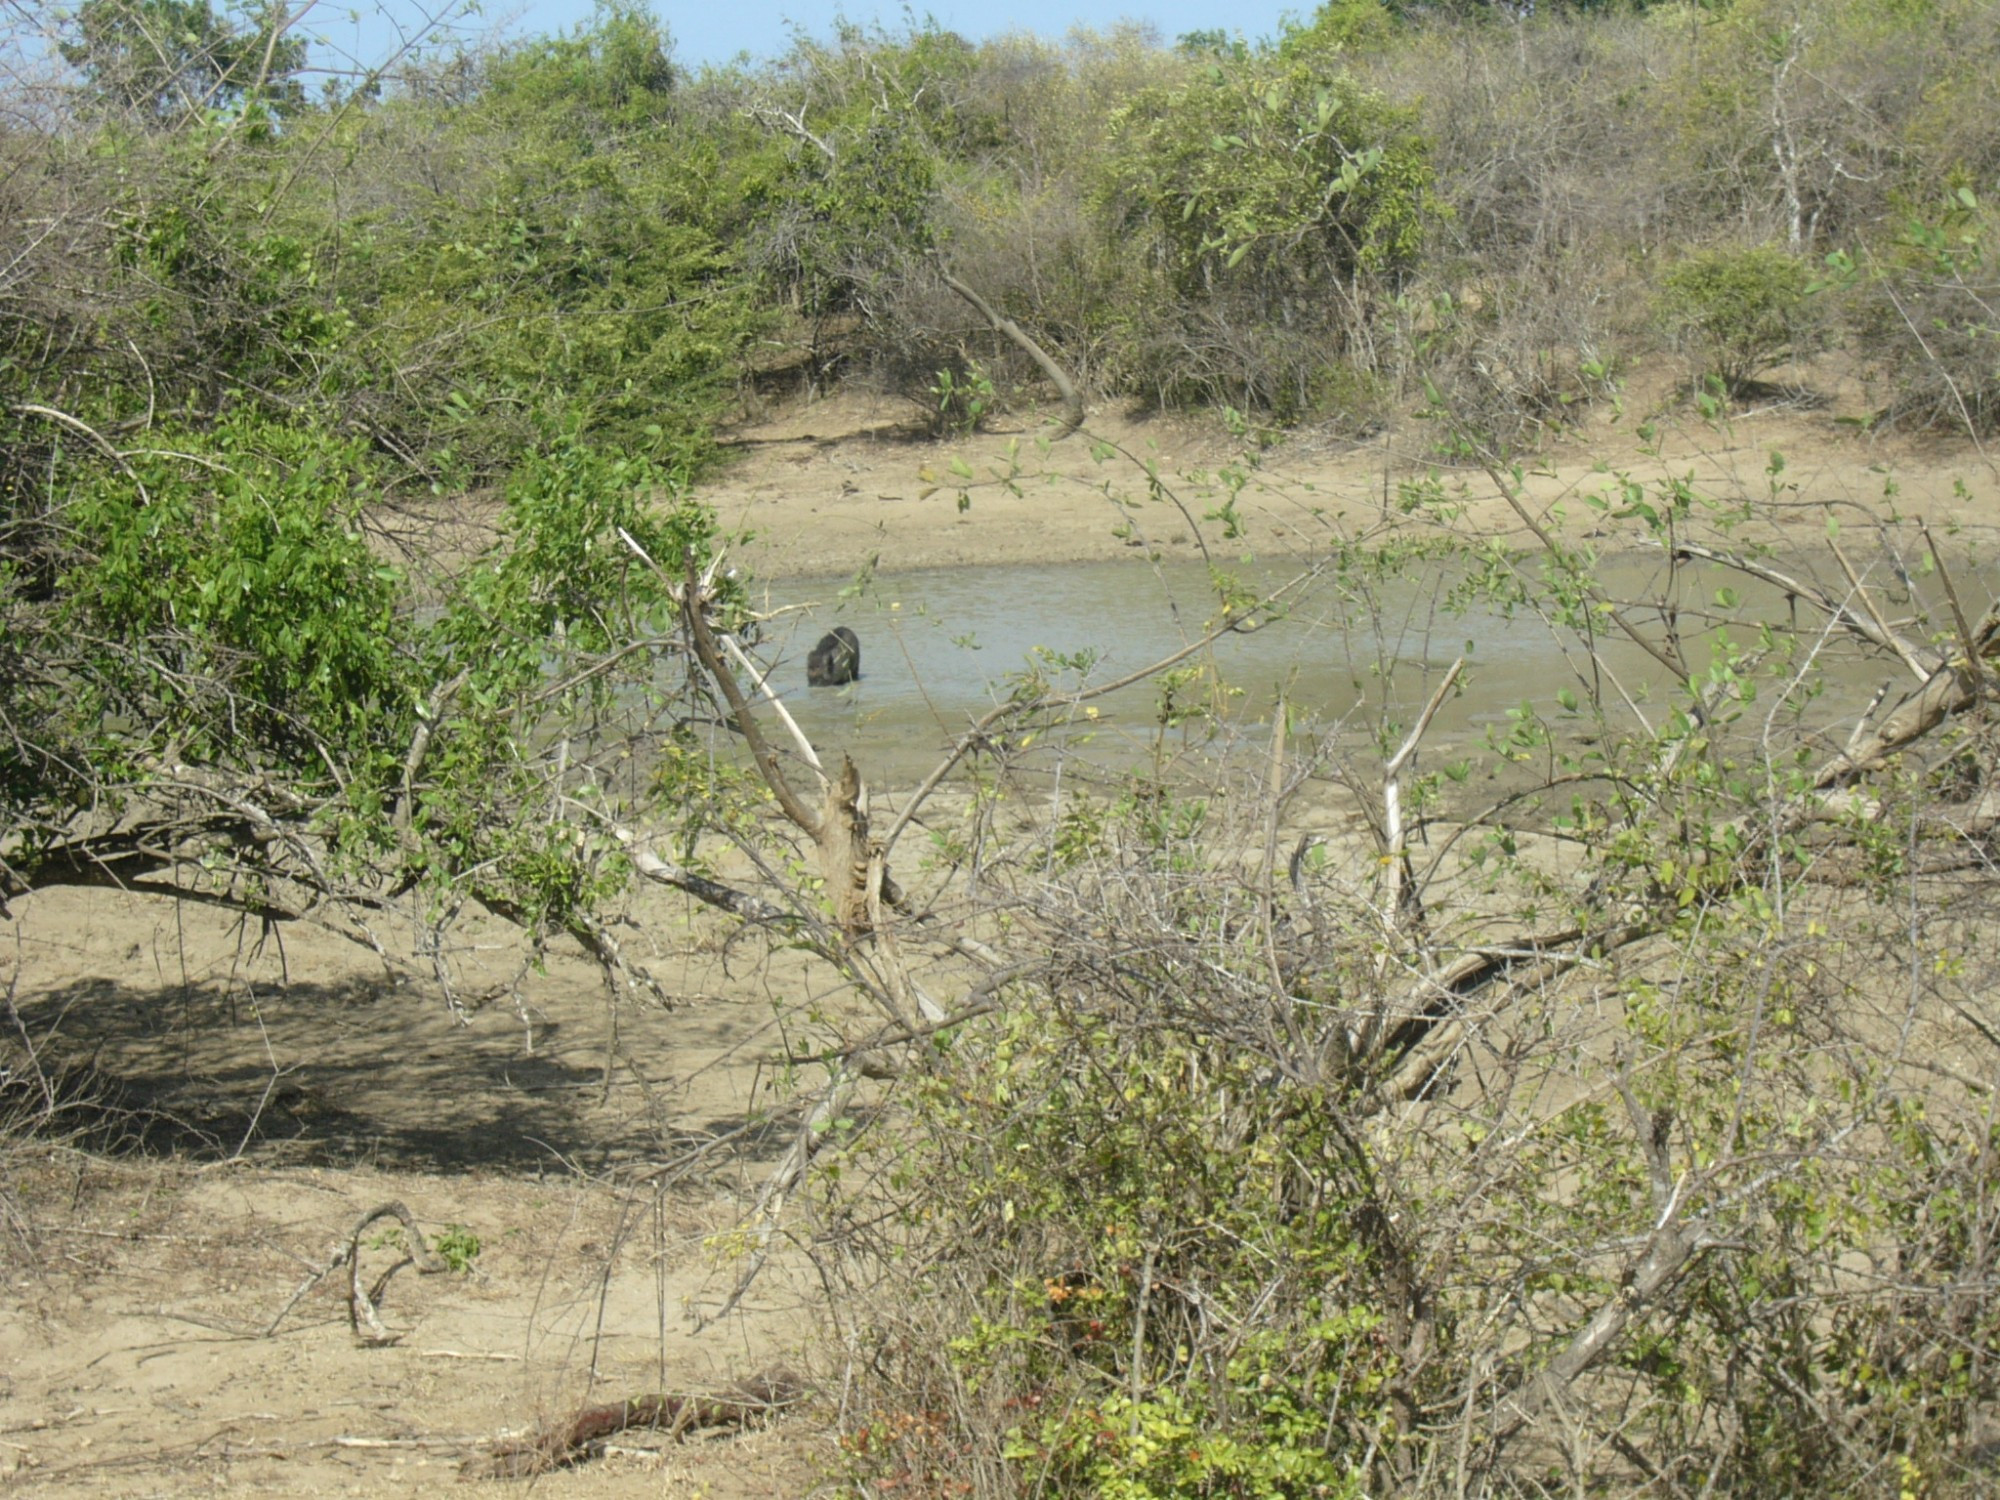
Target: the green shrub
pixel 1739 311
pixel 1161 1268
pixel 240 597
pixel 574 277
pixel 1274 205
pixel 458 1247
pixel 960 402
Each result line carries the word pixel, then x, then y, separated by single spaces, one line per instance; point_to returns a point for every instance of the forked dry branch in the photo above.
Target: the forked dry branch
pixel 364 1308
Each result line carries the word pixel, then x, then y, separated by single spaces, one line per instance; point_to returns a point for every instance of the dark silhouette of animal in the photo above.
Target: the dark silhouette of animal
pixel 836 659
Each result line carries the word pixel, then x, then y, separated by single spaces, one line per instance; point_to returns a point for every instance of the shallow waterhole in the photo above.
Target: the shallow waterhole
pixel 941 647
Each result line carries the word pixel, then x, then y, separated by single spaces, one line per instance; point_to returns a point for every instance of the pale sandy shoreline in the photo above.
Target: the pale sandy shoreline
pixel 832 488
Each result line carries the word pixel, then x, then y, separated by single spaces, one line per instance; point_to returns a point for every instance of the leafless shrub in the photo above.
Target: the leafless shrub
pixel 1797 122
pixel 1929 317
pixel 1538 133
pixel 1523 308
pixel 1517 354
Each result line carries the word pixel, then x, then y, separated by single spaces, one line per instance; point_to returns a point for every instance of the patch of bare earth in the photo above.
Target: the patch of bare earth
pixel 234 1112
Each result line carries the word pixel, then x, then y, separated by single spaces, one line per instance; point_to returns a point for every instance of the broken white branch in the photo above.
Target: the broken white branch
pixel 761 679
pixel 1395 836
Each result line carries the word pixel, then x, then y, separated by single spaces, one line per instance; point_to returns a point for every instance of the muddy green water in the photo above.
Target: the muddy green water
pixel 939 647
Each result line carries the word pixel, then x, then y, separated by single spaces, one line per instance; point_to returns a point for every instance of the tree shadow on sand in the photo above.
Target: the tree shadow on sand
pixel 344 1074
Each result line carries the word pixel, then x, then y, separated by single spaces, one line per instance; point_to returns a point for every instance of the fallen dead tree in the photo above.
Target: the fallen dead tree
pixel 582 1436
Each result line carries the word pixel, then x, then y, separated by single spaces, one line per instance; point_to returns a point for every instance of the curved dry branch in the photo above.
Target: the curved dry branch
pixel 1010 330
pixel 1869 625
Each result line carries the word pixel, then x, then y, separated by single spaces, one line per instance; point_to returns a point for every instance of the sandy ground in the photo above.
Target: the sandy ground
pixel 262 1097
pixel 141 1358
pixel 258 1104
pixel 828 488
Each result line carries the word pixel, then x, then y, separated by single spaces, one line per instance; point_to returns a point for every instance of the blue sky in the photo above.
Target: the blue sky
pixel 714 31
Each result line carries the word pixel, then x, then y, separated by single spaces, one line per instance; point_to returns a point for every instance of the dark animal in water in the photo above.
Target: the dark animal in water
pixel 836 659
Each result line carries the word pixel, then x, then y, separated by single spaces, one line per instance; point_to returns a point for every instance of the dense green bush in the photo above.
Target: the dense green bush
pixel 571 275
pixel 1271 208
pixel 226 579
pixel 1739 311
pixel 859 132
pixel 1120 1229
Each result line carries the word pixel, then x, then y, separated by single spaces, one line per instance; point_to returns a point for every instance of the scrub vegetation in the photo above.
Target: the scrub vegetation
pixel 1627 1126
